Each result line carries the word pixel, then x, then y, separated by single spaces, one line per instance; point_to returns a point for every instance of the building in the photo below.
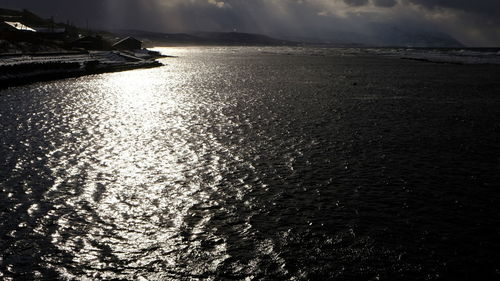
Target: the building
pixel 52 33
pixel 50 30
pixel 17 26
pixel 128 43
pixel 16 31
pixel 90 43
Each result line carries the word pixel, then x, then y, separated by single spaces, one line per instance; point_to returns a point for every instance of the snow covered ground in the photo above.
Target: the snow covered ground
pixel 101 56
pixel 14 69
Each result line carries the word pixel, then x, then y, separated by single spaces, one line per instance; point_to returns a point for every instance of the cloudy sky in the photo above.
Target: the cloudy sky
pixel 474 23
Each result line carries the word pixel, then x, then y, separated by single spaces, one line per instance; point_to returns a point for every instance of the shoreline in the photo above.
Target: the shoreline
pixel 18 70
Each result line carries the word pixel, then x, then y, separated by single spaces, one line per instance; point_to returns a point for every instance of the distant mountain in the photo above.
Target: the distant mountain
pixel 203 38
pixel 376 36
pixel 383 35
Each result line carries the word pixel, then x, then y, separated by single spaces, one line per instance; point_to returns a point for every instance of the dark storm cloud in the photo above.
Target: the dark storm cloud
pixel 356 3
pixel 486 7
pixel 385 3
pixel 474 22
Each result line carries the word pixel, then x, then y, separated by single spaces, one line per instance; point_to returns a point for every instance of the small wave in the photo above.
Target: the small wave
pixel 455 56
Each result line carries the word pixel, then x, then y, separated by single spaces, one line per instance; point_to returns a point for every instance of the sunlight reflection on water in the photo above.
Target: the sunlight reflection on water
pixel 139 169
pixel 251 164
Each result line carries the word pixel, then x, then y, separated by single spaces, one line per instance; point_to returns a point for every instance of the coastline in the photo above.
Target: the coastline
pixel 17 70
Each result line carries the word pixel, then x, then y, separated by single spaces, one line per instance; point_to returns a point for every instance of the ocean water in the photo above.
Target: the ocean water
pixel 234 163
pixel 442 55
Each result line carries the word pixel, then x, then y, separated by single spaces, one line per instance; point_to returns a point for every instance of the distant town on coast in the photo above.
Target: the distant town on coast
pixel 36 49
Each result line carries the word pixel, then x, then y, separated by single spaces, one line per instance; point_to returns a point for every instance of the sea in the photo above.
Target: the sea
pixel 257 163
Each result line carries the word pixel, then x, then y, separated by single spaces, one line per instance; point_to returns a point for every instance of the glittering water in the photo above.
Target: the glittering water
pixel 251 164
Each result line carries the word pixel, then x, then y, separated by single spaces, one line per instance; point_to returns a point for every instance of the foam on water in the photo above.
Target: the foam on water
pixel 458 56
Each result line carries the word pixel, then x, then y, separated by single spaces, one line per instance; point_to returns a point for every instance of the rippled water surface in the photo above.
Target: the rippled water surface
pixel 254 164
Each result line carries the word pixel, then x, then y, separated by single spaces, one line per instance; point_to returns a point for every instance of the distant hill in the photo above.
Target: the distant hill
pixel 34 21
pixel 24 16
pixel 384 35
pixel 378 36
pixel 203 38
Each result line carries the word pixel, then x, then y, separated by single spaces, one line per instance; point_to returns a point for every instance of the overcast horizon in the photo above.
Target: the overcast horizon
pixel 473 24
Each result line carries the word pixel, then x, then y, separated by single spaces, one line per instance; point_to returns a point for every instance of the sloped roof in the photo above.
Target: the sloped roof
pixel 19 26
pixel 127 39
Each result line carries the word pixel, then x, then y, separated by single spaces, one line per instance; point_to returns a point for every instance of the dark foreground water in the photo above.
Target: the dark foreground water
pixel 254 164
